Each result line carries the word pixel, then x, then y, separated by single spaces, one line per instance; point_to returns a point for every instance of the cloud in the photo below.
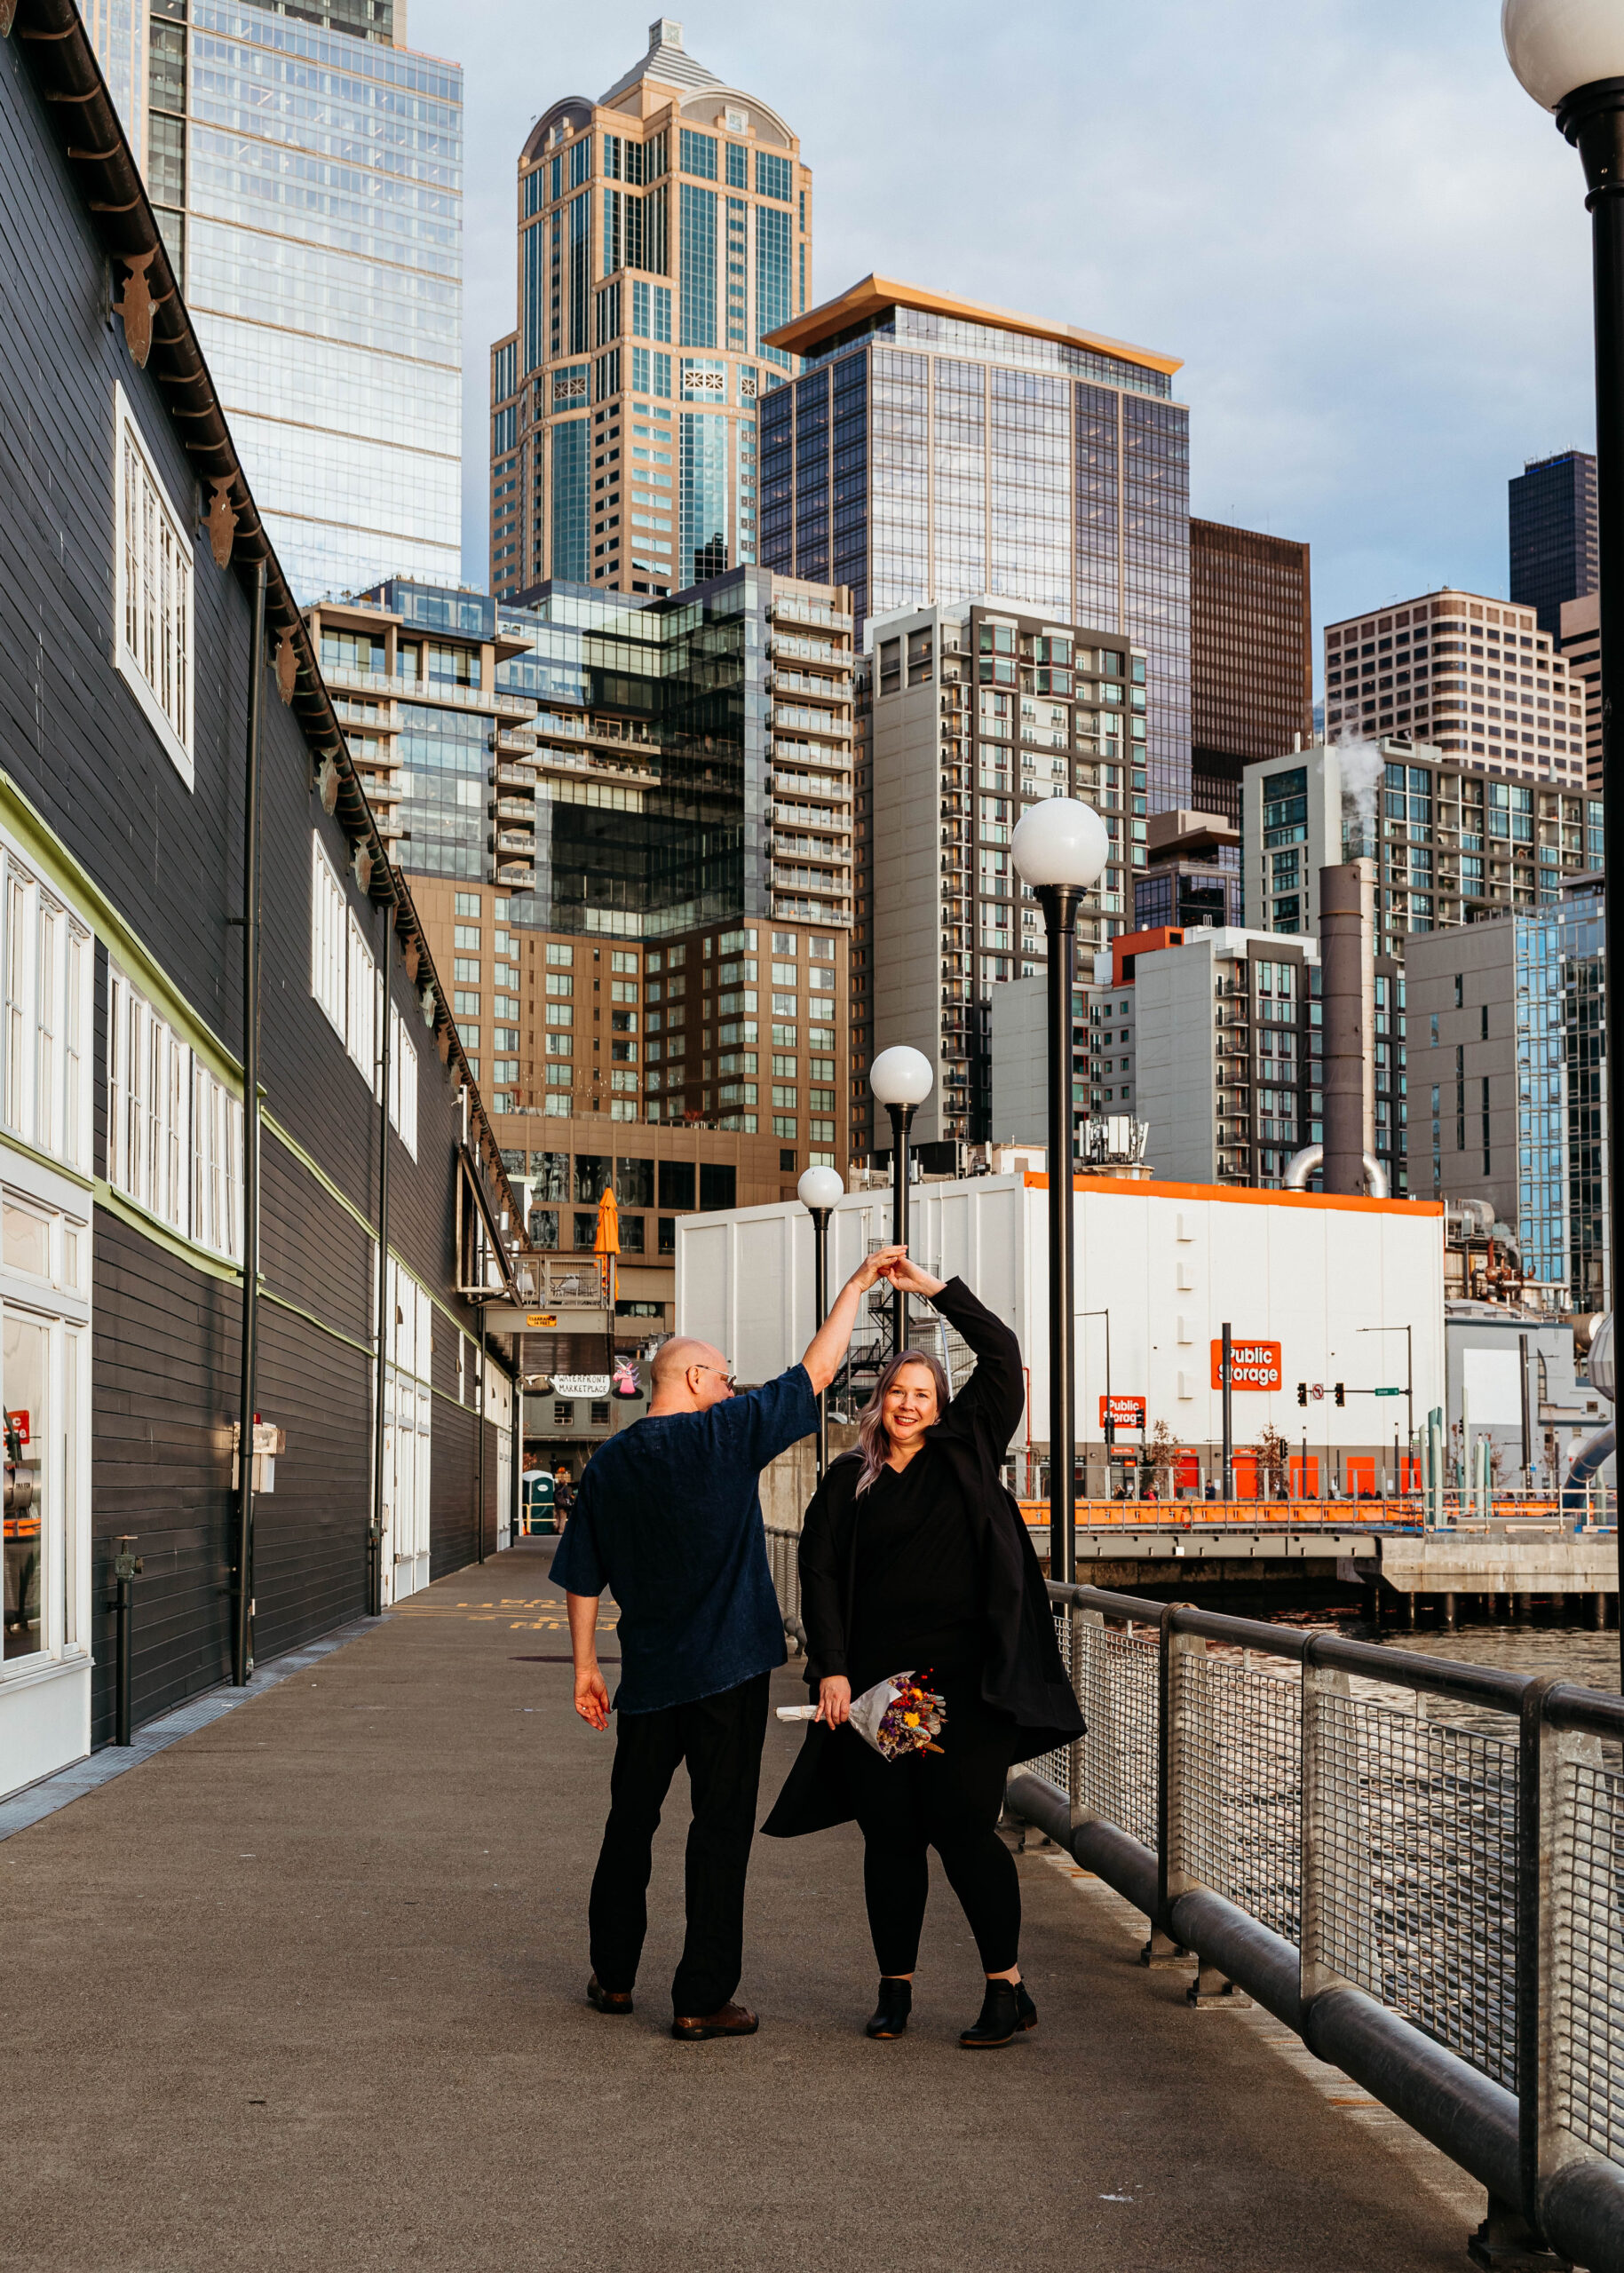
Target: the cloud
pixel 1364 238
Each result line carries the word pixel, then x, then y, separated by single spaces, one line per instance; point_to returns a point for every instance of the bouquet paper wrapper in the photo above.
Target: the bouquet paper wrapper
pixel 896 1716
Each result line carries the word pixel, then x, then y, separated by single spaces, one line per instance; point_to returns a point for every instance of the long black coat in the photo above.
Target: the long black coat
pixel 1024 1675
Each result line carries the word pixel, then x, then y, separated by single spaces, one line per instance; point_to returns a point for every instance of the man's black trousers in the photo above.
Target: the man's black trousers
pixel 720 1738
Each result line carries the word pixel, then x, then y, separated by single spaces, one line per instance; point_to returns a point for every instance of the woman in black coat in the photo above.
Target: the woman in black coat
pixel 914 1559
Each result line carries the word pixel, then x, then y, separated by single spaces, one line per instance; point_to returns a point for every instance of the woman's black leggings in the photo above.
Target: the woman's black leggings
pixel 953 1802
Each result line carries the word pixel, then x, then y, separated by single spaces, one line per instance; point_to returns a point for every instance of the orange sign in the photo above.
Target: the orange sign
pixel 1252 1365
pixel 1127 1412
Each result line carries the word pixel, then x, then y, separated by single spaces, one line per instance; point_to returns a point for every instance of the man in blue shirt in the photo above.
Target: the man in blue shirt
pixel 667 1515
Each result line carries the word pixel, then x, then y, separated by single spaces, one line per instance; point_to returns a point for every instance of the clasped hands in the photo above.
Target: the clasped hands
pixel 892 1264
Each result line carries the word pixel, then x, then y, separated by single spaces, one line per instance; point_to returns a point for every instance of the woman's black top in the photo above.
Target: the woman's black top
pixel 918 1592
pixel 1015 1660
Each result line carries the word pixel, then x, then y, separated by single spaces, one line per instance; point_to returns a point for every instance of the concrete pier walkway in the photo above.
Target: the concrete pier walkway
pixel 303 1991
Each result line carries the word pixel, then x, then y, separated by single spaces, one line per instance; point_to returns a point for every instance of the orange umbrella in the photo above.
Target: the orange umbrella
pixel 607 1240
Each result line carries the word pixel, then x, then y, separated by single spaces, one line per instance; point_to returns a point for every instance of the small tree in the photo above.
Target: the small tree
pixel 1273 1457
pixel 1163 1452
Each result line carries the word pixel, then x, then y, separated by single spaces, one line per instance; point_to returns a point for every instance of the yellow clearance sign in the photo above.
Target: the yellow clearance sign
pixel 1253 1365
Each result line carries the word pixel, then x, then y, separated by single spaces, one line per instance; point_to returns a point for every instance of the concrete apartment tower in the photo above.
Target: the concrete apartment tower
pixel 975 713
pixel 663 231
pixel 328 297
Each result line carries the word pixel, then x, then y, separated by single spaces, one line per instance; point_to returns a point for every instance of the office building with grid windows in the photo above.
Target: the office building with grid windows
pixel 1554 535
pixel 1477 679
pixel 936 451
pixel 305 167
pixel 1251 659
pixel 973 714
pixel 663 233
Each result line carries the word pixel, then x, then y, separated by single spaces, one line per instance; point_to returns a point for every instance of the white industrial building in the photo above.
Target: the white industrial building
pixel 1322 1289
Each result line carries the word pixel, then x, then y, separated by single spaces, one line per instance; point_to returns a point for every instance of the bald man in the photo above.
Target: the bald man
pixel 668 1517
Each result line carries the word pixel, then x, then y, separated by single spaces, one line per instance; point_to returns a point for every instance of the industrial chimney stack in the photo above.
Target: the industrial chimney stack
pixel 1347 962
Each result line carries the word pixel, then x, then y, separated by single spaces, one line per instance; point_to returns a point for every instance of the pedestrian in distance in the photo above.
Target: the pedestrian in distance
pixel 668 1517
pixel 563 1495
pixel 914 1559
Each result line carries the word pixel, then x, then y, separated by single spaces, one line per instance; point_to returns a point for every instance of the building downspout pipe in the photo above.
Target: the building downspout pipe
pixel 374 1529
pixel 242 1594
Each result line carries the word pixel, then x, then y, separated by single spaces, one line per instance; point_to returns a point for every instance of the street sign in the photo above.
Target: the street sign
pixel 537 1319
pixel 1387 1392
pixel 1252 1365
pixel 1123 1412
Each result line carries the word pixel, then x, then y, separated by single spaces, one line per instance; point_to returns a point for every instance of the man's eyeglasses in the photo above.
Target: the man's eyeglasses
pixel 726 1376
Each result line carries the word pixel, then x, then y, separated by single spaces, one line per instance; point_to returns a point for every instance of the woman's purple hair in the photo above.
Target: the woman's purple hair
pixel 873 1439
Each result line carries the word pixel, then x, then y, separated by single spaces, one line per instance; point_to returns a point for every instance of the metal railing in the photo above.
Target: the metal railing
pixel 1597 1511
pixel 1416 1864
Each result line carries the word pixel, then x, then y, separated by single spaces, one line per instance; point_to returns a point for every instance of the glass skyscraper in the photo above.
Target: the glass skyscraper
pixel 1562 1180
pixel 663 231
pixel 306 171
pixel 1555 540
pixel 935 451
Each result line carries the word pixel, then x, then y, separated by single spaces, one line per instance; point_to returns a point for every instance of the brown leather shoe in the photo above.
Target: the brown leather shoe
pixel 728 2020
pixel 607 2000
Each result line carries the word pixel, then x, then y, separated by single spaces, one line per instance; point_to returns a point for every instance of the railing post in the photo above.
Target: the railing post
pixel 1080 1621
pixel 1319 1684
pixel 1545 1755
pixel 1161 1949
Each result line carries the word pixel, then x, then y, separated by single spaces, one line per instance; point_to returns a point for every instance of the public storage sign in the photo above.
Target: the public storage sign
pixel 1253 1365
pixel 1126 1412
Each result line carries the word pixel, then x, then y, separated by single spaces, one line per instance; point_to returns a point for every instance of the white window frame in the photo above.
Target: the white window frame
pixel 149 539
pixel 174 1129
pixel 59 1454
pixel 46 974
pixel 327 957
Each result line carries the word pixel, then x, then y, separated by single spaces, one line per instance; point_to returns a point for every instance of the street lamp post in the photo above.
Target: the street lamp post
pixel 1569 55
pixel 818 1192
pixel 901 1080
pixel 1059 847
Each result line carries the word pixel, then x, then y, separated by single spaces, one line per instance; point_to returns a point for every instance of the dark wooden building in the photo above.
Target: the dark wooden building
pixel 137 676
pixel 1251 658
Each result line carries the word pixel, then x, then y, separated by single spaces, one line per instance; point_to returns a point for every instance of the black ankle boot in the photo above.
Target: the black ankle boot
pixel 999 2019
pixel 890 2012
pixel 1026 2011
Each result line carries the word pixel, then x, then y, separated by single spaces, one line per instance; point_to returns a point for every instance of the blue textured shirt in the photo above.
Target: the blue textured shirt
pixel 668 1517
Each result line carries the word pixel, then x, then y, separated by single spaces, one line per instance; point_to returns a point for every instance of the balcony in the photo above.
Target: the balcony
pixel 788 607
pixel 516 777
pixel 515 809
pixel 513 840
pixel 836 689
pixel 519 879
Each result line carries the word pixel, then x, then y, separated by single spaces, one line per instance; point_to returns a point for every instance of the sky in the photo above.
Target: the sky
pixel 1368 244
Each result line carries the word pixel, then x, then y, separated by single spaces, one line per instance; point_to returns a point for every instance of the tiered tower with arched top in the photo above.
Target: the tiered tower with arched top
pixel 663 231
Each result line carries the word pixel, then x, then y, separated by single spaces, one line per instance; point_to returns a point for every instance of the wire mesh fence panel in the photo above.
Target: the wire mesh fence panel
pixel 1055 1766
pixel 1238 1827
pixel 1588 2003
pixel 1117 1679
pixel 1415 1899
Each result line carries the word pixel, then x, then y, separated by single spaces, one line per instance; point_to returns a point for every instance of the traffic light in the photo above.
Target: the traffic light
pixel 1302 1392
pixel 1340 1394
